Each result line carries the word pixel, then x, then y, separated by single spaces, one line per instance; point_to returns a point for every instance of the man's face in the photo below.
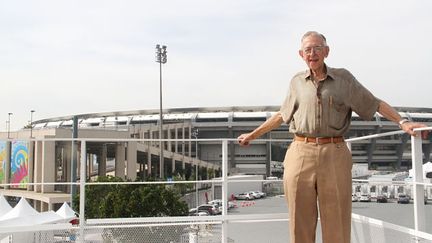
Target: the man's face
pixel 314 51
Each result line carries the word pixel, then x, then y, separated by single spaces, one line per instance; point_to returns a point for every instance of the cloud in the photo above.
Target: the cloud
pixel 70 57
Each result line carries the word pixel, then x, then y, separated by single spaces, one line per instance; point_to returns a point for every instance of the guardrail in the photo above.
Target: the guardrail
pixel 97 226
pixel 418 183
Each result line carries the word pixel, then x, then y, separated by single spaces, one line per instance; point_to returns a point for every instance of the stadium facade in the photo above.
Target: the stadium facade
pixel 393 152
pixel 190 143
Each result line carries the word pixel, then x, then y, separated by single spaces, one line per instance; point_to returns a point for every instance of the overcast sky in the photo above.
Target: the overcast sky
pixel 72 57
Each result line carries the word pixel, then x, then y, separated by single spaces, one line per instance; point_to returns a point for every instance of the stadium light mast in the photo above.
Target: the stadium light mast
pixel 31 123
pixel 9 122
pixel 195 135
pixel 161 58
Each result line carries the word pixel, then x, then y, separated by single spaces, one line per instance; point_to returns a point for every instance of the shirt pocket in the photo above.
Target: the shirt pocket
pixel 337 113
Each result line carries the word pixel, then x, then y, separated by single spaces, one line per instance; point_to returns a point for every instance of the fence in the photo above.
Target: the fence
pixel 206 229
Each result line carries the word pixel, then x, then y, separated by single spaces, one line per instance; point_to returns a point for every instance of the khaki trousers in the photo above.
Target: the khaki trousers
pixel 318 172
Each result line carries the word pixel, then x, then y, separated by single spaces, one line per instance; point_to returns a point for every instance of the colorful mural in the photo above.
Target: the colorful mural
pixel 19 163
pixel 2 160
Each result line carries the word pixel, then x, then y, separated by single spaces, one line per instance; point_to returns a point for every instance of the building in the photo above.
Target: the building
pixel 190 144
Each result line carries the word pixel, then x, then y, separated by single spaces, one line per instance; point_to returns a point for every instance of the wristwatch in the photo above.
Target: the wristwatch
pixel 403 121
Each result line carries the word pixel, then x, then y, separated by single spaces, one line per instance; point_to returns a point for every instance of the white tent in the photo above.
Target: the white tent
pixel 427 167
pixel 66 212
pixel 24 215
pixel 49 217
pixel 5 207
pixel 22 209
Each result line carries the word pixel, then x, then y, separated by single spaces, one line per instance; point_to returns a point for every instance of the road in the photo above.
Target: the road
pixel 277 232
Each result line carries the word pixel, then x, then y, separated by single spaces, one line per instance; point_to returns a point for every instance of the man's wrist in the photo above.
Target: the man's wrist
pixel 403 121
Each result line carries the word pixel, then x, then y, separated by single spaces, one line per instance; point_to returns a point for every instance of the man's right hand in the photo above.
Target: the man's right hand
pixel 409 127
pixel 245 139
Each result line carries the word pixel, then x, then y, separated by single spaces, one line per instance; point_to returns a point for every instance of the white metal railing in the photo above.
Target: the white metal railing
pixel 420 226
pixel 419 231
pixel 417 165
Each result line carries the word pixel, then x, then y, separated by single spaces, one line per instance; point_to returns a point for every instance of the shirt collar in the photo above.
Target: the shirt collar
pixel 330 73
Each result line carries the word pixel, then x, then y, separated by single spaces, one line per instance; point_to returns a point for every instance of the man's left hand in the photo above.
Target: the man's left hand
pixel 409 127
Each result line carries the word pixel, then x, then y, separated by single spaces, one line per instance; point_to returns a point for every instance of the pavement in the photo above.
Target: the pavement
pixel 277 232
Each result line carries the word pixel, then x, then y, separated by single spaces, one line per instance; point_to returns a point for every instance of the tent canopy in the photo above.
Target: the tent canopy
pixel 66 212
pixel 22 209
pixel 5 207
pixel 427 167
pixel 25 215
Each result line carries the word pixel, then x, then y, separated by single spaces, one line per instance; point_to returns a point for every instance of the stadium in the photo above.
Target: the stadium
pixel 263 157
pixel 126 144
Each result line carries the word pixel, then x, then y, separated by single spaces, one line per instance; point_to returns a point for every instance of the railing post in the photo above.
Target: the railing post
pixel 417 166
pixel 224 191
pixel 83 165
pixel 349 146
pixel 73 171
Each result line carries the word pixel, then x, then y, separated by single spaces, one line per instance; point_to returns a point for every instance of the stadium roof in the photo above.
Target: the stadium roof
pixel 190 113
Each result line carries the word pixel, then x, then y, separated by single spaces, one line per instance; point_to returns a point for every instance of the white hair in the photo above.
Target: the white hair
pixel 314 33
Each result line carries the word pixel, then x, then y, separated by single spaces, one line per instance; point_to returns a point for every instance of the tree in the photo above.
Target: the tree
pixel 211 173
pixel 123 201
pixel 182 188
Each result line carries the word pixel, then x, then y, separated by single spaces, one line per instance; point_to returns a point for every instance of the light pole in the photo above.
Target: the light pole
pixel 31 123
pixel 161 58
pixel 195 135
pixel 9 116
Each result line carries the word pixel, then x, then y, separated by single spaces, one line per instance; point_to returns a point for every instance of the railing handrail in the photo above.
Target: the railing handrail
pixel 216 181
pixel 201 139
pixel 419 226
pixel 41 227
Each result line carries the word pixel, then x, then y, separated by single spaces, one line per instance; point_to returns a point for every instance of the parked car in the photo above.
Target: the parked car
pixel 193 212
pixel 425 199
pixel 354 198
pixel 257 194
pixel 381 199
pixel 365 198
pixel 244 196
pixel 402 198
pixel 218 202
pixel 211 209
pixel 262 194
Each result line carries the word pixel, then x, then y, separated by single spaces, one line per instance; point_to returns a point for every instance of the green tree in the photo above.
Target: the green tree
pixel 211 173
pixel 123 201
pixel 182 188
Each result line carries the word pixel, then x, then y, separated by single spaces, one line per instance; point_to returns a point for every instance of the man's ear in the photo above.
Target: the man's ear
pixel 327 50
pixel 301 53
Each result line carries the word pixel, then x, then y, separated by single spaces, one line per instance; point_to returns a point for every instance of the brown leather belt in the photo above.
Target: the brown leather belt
pixel 319 140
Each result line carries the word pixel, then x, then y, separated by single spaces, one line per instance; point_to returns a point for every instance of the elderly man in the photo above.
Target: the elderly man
pixel 318 163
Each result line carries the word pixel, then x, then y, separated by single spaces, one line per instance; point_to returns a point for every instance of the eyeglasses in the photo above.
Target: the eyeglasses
pixel 308 50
